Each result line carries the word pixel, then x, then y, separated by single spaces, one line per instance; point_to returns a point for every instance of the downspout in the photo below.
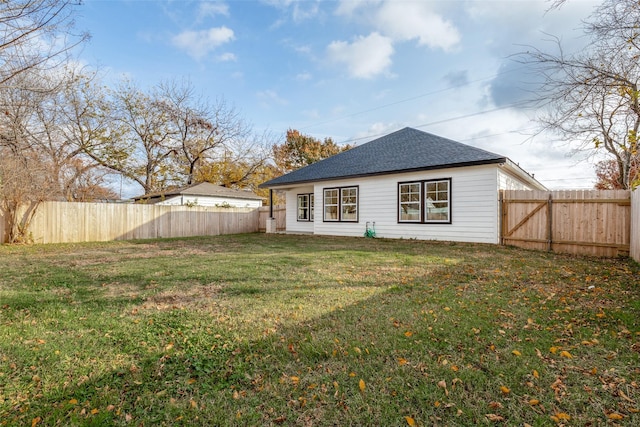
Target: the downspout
pixel 271 203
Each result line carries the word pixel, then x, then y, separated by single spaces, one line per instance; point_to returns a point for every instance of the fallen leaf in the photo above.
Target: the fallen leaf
pixel 494 417
pixel 362 385
pixel 505 390
pixel 516 353
pixel 562 416
pixel 408 334
pixel 536 375
pixel 35 421
pixel 443 384
pixel 94 411
pixel 73 402
pixel 625 397
pixel 495 405
pixel 615 416
pixel 554 350
pixel 402 361
pixel 294 379
pixel 534 402
pixel 410 421
pixel 566 354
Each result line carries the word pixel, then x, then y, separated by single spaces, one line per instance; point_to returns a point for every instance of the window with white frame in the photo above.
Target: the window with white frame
pixel 341 204
pixel 305 207
pixel 331 204
pixel 409 199
pixel 438 201
pixel 425 201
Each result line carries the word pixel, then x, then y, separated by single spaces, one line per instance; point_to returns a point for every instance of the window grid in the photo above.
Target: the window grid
pixel 341 204
pixel 425 202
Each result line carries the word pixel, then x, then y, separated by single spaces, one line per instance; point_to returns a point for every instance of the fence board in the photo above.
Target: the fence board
pixel 635 225
pixel 582 222
pixel 62 222
pixel 279 212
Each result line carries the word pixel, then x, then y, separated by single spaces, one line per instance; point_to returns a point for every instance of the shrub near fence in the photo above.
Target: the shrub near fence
pixel 64 222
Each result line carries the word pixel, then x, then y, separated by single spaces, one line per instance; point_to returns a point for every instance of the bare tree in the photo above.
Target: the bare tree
pixel 35 35
pixel 593 95
pixel 201 131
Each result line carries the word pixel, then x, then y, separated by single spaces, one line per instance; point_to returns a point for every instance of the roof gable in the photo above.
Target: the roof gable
pixel 402 151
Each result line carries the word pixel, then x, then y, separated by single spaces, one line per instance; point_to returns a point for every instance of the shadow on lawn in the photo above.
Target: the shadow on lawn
pixel 309 372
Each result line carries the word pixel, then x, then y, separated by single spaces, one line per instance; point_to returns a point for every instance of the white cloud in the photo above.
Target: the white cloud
pixel 415 20
pixel 227 57
pixel 270 97
pixel 366 57
pixel 210 9
pixel 404 21
pixel 303 77
pixel 198 44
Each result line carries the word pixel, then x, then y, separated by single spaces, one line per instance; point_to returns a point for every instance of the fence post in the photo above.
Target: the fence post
pixel 550 223
pixel 501 218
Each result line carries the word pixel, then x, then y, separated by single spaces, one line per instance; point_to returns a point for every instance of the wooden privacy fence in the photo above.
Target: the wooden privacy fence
pixel 279 213
pixel 635 225
pixel 594 222
pixel 62 222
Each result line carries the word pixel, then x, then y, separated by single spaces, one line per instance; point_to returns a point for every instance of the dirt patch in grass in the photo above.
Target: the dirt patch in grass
pixel 187 296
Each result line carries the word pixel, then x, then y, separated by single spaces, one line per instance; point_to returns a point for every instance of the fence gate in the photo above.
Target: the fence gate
pixel 594 222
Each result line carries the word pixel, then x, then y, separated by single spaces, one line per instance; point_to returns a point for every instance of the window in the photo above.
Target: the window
pixel 425 201
pixel 437 197
pixel 341 204
pixel 410 202
pixel 305 207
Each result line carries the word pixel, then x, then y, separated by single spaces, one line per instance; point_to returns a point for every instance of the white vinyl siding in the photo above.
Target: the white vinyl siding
pixel 211 201
pixel 291 201
pixel 473 204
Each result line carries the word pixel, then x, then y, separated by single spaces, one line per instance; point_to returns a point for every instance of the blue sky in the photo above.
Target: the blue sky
pixel 353 69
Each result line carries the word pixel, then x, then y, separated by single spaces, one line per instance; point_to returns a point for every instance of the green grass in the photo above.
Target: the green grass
pixel 303 330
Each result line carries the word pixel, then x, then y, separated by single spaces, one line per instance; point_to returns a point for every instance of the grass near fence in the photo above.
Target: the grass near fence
pixel 301 330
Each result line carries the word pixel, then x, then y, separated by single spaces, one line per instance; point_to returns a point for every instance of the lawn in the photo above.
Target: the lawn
pixel 305 330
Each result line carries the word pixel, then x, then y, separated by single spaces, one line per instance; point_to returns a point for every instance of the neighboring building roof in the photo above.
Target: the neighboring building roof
pixel 405 150
pixel 202 189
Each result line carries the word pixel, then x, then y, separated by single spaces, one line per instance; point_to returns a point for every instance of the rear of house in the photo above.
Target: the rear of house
pixel 409 184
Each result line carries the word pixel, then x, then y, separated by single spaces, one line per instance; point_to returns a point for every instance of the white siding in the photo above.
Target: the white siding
pixel 474 206
pixel 509 182
pixel 211 201
pixel 293 225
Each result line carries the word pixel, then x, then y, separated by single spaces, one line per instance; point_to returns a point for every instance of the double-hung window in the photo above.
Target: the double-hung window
pixel 425 201
pixel 341 204
pixel 305 207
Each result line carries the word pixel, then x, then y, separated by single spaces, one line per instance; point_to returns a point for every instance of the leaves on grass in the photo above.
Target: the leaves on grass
pixel 505 389
pixel 362 385
pixel 516 353
pixel 566 354
pixel 410 421
pixel 494 417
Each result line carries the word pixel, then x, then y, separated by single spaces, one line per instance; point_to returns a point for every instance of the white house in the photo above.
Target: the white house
pixel 204 194
pixel 409 184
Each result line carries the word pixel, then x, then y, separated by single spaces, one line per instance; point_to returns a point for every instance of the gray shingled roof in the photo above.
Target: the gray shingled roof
pixel 405 150
pixel 204 189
